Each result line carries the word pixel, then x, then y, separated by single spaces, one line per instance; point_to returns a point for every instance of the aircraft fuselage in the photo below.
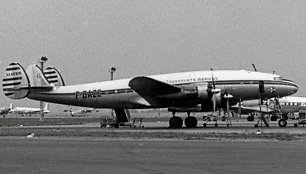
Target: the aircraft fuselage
pixel 240 84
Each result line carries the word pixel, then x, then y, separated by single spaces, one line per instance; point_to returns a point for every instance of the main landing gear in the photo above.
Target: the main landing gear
pixel 190 122
pixel 177 122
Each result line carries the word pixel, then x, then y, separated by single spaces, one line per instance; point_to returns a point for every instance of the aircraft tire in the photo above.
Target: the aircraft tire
pixel 191 122
pixel 282 123
pixel 176 122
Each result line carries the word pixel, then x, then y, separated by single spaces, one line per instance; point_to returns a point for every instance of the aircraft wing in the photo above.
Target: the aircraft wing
pixel 151 90
pixel 146 86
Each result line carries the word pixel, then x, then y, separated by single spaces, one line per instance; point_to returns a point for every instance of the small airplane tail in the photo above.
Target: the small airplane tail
pixel 11 106
pixel 46 108
pixel 17 82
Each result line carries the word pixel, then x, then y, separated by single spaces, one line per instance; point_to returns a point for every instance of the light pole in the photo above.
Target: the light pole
pixel 112 71
pixel 42 60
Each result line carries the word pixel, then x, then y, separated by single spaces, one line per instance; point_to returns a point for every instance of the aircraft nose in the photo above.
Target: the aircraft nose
pixel 292 88
pixel 295 89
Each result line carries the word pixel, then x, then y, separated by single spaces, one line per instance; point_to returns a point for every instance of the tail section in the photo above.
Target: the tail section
pixel 16 82
pixel 46 108
pixel 54 77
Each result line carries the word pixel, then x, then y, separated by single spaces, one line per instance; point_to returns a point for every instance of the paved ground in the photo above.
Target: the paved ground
pixel 155 149
pixel 86 155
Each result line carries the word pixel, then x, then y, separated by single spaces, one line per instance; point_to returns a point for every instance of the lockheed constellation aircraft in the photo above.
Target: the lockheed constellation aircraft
pixel 197 91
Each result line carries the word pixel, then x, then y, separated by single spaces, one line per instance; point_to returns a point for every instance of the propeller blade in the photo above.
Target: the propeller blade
pixel 214 100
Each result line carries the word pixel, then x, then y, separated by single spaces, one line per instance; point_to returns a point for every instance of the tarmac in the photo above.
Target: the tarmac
pixel 152 156
pixel 154 149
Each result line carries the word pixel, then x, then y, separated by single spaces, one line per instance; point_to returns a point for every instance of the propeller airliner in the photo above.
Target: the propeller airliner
pixel 197 91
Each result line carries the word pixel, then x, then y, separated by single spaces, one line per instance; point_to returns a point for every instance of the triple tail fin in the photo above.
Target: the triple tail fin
pixel 16 83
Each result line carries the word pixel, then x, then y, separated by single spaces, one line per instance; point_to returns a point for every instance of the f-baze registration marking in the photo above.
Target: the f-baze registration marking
pixel 88 94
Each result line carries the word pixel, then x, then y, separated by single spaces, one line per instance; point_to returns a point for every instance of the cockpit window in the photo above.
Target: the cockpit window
pixel 281 79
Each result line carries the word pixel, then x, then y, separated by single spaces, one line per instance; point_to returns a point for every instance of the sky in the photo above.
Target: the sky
pixel 84 38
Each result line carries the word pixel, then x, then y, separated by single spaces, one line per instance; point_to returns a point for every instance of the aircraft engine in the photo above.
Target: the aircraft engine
pixel 209 98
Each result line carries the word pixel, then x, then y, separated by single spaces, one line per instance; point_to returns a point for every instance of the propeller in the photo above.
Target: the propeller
pixel 214 91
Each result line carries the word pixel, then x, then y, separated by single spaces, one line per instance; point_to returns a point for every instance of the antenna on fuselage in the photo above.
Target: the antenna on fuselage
pixel 254 67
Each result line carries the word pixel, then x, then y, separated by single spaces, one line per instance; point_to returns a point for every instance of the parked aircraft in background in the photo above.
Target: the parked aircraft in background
pixel 80 112
pixel 29 111
pixel 281 107
pixel 4 111
pixel 198 91
pixel 292 104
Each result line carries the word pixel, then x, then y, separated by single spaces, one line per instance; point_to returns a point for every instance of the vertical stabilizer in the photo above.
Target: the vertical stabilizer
pixel 15 82
pixel 37 77
pixel 46 108
pixel 53 76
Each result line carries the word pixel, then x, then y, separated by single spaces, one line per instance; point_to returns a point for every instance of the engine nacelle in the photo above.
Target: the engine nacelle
pixel 204 94
pixel 196 91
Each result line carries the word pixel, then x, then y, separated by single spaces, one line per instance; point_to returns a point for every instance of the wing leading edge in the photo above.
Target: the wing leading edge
pixel 149 87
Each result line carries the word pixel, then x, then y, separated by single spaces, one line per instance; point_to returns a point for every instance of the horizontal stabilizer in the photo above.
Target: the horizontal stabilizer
pixel 146 86
pixel 53 76
pixel 16 82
